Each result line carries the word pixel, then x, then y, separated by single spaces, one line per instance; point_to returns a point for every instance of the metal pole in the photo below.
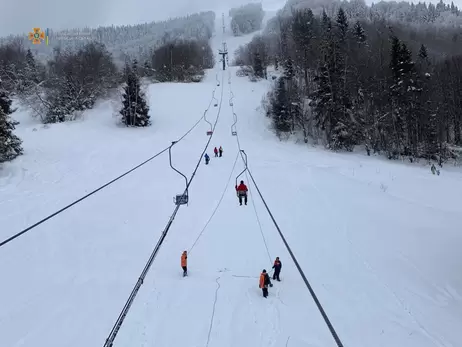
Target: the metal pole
pixel 245 162
pixel 170 159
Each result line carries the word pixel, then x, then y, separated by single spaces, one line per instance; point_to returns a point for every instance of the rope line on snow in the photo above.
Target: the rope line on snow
pixel 213 311
pixel 218 205
pixel 115 329
pixel 11 238
pixel 292 255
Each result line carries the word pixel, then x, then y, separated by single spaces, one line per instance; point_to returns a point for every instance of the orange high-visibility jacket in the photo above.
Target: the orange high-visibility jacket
pixel 262 280
pixel 184 261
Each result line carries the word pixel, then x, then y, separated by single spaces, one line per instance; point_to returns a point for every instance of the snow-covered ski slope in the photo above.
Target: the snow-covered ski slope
pixel 378 241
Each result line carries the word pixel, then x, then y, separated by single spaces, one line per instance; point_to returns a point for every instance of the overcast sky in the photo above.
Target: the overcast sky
pixel 20 16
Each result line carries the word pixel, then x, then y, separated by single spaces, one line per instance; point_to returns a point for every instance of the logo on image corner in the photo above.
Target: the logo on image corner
pixel 37 36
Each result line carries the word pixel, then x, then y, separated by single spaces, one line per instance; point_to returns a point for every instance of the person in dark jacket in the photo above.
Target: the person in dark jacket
pixel 242 192
pixel 220 151
pixel 264 283
pixel 207 159
pixel 277 269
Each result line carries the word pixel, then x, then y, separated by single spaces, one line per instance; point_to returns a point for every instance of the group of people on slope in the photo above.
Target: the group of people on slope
pixel 264 282
pixel 218 153
pixel 241 189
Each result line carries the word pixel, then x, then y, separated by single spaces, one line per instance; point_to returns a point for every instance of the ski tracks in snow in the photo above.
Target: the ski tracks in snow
pixel 213 310
pixel 329 206
pixel 240 316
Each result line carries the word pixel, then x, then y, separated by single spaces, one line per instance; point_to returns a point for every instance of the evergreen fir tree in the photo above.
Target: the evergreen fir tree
pixel 342 26
pixel 359 33
pixel 258 66
pixel 322 102
pixel 30 76
pixel 148 69
pixel 280 111
pixel 135 109
pixel 289 72
pixel 432 136
pixel 423 55
pixel 30 60
pixel 5 102
pixel 10 144
pixel 303 33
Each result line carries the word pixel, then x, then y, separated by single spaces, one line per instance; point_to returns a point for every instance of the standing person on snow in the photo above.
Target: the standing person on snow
pixel 277 269
pixel 207 159
pixel 242 192
pixel 264 283
pixel 184 263
pixel 221 151
pixel 215 150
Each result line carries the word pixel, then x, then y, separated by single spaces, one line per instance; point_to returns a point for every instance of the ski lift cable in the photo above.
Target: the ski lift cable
pixel 258 220
pixel 217 206
pixel 286 244
pixel 29 228
pixel 115 329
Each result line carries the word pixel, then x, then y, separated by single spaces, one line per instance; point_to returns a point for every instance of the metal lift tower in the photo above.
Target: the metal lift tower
pixel 223 21
pixel 224 55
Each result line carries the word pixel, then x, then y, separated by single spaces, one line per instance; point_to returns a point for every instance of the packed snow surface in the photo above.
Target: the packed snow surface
pixel 379 241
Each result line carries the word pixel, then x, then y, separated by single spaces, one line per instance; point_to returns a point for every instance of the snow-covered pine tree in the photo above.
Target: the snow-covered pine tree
pixel 5 102
pixel 359 33
pixel 423 55
pixel 303 26
pixel 280 110
pixel 342 26
pixel 258 66
pixel 289 71
pixel 148 70
pixel 10 144
pixel 135 109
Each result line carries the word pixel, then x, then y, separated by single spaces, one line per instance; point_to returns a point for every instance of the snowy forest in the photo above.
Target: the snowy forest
pixel 246 19
pixel 59 82
pixel 132 41
pixel 349 78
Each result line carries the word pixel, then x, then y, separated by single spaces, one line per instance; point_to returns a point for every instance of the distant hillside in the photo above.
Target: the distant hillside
pixel 418 15
pixel 436 26
pixel 127 40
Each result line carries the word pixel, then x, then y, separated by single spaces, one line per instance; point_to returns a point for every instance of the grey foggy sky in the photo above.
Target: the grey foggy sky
pixel 20 16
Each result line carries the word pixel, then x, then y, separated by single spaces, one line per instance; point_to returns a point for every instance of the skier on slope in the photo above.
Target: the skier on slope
pixel 277 269
pixel 207 159
pixel 220 150
pixel 184 263
pixel 242 192
pixel 264 283
pixel 215 150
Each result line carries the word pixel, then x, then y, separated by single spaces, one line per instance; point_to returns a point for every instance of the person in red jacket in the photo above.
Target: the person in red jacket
pixel 215 150
pixel 242 192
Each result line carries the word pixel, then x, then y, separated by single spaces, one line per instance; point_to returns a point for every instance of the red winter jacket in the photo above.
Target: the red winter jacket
pixel 242 188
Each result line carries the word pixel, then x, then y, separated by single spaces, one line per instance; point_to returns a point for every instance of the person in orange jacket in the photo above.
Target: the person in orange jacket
pixel 264 283
pixel 242 192
pixel 184 263
pixel 215 150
